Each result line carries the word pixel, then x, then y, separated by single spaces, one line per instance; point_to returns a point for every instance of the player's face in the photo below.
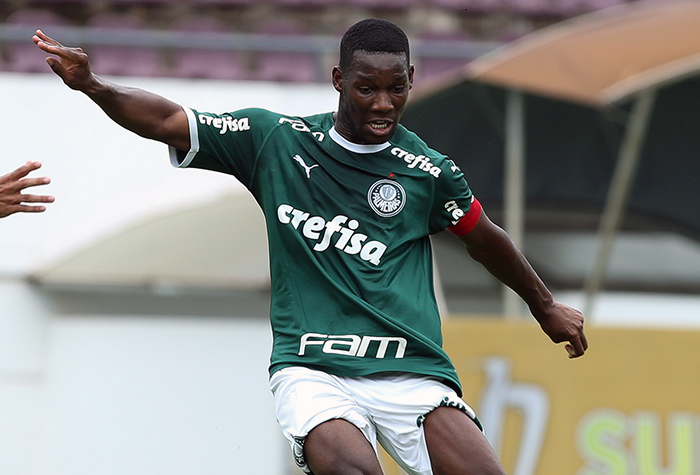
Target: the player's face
pixel 373 96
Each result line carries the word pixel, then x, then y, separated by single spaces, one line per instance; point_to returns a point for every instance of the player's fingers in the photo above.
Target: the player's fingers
pixel 8 210
pixel 47 46
pixel 20 172
pixel 27 182
pixel 575 348
pixel 57 68
pixel 24 170
pixel 37 199
pixel 45 39
pixel 51 46
pixel 44 180
pixel 579 341
pixel 16 185
pixel 30 209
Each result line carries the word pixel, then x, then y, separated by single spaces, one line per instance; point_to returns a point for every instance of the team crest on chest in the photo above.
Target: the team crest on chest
pixel 386 198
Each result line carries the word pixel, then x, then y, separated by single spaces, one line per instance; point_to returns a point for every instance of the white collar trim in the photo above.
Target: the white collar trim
pixel 354 147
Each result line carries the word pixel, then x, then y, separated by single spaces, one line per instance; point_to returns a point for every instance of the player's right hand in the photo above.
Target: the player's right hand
pixel 70 64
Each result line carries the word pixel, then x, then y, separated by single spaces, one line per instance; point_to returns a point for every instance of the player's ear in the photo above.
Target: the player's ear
pixel 337 77
pixel 411 70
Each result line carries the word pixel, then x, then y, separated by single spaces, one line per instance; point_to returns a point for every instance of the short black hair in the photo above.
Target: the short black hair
pixel 372 35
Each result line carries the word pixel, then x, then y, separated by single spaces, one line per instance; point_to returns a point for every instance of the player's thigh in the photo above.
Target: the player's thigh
pixel 338 447
pixel 457 446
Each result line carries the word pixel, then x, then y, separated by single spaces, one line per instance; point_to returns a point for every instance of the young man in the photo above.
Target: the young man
pixel 350 199
pixel 12 200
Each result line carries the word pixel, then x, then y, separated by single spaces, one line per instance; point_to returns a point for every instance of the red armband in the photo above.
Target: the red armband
pixel 467 222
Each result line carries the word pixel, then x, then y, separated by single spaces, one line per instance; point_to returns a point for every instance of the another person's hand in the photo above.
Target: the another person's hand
pixel 565 324
pixel 11 185
pixel 70 64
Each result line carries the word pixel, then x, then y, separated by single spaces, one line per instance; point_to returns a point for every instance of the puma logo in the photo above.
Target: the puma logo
pixel 307 168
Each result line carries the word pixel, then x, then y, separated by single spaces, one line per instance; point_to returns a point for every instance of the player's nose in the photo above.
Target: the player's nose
pixel 383 103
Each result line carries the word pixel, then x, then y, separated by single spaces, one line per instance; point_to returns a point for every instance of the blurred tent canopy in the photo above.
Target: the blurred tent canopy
pixel 222 244
pixel 600 112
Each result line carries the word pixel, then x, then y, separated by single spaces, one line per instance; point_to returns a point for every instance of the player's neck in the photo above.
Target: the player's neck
pixel 354 147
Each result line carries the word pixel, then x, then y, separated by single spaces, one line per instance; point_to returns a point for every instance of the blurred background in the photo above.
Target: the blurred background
pixel 133 315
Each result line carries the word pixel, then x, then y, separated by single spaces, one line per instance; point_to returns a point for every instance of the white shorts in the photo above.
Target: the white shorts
pixel 389 408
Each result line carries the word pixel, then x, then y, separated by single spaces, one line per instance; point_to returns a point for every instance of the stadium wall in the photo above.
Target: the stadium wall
pixel 115 394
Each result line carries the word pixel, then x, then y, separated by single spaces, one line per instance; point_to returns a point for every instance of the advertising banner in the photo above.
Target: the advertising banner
pixel 630 406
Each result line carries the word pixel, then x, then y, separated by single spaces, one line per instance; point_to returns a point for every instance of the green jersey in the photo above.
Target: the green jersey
pixel 348 228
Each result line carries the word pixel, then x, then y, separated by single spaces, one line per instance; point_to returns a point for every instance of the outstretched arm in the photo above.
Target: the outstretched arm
pixel 11 185
pixel 144 113
pixel 489 245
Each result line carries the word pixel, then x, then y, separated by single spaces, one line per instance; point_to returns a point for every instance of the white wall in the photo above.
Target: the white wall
pixel 132 394
pixel 160 396
pixel 121 394
pixel 107 394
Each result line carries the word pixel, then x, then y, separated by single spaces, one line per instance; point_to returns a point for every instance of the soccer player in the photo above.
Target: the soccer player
pixel 12 200
pixel 350 199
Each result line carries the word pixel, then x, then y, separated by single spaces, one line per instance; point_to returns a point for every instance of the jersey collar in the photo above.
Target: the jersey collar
pixel 353 147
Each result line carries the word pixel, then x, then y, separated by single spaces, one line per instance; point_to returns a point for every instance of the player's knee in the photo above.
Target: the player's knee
pixel 343 470
pixel 334 464
pixel 337 447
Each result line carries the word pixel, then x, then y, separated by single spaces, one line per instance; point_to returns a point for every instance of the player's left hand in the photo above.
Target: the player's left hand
pixel 565 324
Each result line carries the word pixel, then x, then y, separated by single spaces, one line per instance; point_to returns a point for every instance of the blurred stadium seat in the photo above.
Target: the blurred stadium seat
pixel 122 60
pixel 513 32
pixel 567 7
pixel 384 5
pixel 470 6
pixel 575 7
pixel 431 66
pixel 306 3
pixel 206 63
pixel 591 5
pixel 534 7
pixel 224 3
pixel 513 18
pixel 141 2
pixel 282 65
pixel 24 56
pixel 58 3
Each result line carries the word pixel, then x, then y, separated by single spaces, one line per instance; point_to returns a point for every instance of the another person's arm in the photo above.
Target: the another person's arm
pixel 491 246
pixel 12 200
pixel 146 114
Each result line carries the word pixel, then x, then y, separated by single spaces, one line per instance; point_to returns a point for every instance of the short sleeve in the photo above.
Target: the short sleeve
pixel 452 198
pixel 227 143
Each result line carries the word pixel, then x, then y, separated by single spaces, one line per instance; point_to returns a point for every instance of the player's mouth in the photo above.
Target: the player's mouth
pixel 381 127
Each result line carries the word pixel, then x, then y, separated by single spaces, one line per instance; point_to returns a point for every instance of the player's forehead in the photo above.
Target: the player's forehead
pixel 365 63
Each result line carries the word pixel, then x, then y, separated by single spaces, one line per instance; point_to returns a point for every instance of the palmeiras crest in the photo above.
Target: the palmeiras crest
pixel 386 197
